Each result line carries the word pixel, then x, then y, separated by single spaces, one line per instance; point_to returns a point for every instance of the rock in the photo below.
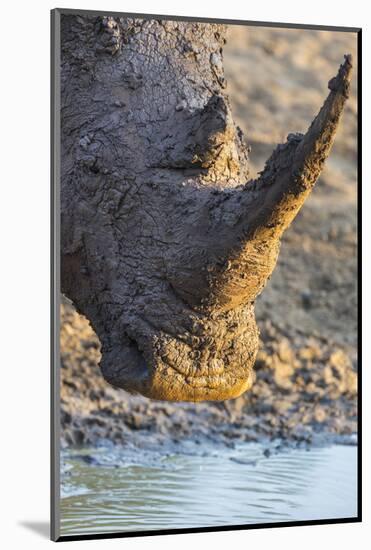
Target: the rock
pixel 281 406
pixel 282 374
pixel 307 299
pixel 319 414
pixel 340 360
pixel 78 436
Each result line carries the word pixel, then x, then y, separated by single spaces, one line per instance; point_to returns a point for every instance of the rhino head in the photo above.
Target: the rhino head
pixel 165 242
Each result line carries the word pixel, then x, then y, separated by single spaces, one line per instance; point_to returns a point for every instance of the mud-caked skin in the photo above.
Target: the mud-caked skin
pixel 165 247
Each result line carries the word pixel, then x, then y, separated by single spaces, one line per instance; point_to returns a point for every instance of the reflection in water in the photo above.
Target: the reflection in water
pixel 105 491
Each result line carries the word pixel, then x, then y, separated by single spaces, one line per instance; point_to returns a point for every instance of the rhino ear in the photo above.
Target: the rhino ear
pixel 293 168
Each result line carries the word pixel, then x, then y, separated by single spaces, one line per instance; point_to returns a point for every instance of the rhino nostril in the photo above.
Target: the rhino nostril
pixel 123 365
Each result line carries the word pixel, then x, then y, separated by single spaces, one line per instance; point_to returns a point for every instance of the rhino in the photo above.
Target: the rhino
pixel 166 241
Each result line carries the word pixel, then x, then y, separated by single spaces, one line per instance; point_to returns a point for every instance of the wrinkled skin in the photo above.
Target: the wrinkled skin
pixel 165 247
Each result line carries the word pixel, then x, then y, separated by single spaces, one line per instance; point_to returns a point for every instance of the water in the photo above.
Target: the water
pixel 112 489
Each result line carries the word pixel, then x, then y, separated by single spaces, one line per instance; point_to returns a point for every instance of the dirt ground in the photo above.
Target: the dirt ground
pixel 306 385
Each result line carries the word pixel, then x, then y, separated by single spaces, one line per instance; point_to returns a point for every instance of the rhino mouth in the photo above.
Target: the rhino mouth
pixel 213 364
pixel 163 380
pixel 179 387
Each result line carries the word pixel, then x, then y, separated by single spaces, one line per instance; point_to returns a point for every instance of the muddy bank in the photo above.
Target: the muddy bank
pixel 306 371
pixel 303 388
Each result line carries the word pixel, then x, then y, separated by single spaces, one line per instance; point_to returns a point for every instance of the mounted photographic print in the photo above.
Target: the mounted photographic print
pixel 204 229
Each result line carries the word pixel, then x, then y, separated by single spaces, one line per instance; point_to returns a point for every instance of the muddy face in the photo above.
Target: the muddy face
pixel 179 314
pixel 191 357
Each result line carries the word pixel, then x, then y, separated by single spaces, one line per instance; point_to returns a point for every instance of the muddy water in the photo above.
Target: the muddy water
pixel 114 489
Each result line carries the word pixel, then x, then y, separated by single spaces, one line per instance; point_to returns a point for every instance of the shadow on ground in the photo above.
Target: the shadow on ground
pixel 41 528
